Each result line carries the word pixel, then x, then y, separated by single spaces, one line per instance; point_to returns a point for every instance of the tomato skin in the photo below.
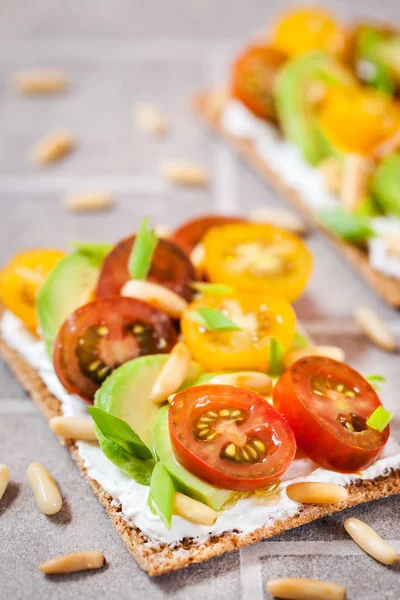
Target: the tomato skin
pixel 253 79
pixel 78 345
pixel 205 458
pixel 170 267
pixel 227 350
pixel 21 279
pixel 326 445
pixel 188 235
pixel 222 263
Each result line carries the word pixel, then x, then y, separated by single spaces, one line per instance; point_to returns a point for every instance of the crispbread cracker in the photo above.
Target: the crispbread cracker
pixel 158 558
pixel 388 287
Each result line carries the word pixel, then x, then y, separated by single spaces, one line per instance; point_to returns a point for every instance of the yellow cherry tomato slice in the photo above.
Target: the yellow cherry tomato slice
pixel 258 258
pixel 21 279
pixel 260 317
pixel 358 120
pixel 303 30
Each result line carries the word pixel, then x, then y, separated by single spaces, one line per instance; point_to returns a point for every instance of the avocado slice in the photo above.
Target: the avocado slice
pixel 295 111
pixel 386 184
pixel 184 481
pixel 63 291
pixel 380 51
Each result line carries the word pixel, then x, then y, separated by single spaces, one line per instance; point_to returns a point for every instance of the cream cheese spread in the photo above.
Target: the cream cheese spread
pixel 244 516
pixel 283 158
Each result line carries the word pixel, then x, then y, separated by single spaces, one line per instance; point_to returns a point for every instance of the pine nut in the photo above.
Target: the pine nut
pixel 374 328
pixel 40 81
pixel 4 478
pixel 197 257
pixel 163 231
pixel 332 173
pixel 297 588
pixel 88 201
pixel 355 182
pixel 279 218
pixel 252 380
pixel 45 489
pixel 393 246
pixel 156 295
pixel 173 373
pixel 193 510
pixel 217 99
pixel 370 541
pixel 329 351
pixel 184 173
pixel 72 428
pixel 149 118
pixel 52 147
pixel 388 146
pixel 314 492
pixel 75 561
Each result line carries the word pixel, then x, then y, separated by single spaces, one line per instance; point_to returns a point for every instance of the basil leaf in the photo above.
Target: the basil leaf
pixel 375 380
pixel 161 494
pixel 212 319
pixel 349 227
pixel 275 359
pixel 94 251
pixel 211 288
pixel 120 432
pixel 142 251
pixel 379 419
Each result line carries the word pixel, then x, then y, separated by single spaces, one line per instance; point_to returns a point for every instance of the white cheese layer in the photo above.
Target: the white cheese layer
pixel 245 516
pixel 307 181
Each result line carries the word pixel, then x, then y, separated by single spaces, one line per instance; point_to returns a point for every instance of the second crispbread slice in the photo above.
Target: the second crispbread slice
pixel 158 558
pixel 386 286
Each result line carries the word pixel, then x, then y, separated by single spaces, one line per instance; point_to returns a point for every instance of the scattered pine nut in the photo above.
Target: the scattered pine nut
pixel 149 118
pixel 329 351
pixel 374 328
pixel 75 561
pixel 279 218
pixel 184 173
pixel 370 541
pixel 197 257
pixel 89 202
pixel 40 81
pixel 193 510
pixel 315 93
pixel 72 428
pixel 331 170
pixel 4 478
pixel 156 295
pixel 357 172
pixel 52 147
pixel 388 146
pixel 173 373
pixel 393 246
pixel 163 231
pixel 217 99
pixel 252 380
pixel 297 588
pixel 45 489
pixel 314 492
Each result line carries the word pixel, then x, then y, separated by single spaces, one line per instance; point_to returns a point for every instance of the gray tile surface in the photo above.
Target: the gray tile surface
pixel 117 53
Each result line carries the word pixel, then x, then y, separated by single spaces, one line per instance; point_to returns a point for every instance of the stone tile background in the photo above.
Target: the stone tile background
pixel 118 52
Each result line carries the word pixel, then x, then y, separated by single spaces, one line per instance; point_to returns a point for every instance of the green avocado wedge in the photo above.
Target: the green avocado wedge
pixel 295 112
pixel 62 292
pixel 184 481
pixel 386 185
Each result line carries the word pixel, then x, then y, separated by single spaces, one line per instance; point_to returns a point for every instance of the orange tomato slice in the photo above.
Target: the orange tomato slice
pixel 358 120
pixel 260 317
pixel 303 30
pixel 257 258
pixel 21 280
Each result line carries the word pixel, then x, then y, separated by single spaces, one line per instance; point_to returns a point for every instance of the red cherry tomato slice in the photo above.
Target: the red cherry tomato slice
pixel 100 336
pixel 327 404
pixel 170 267
pixel 253 79
pixel 191 233
pixel 229 436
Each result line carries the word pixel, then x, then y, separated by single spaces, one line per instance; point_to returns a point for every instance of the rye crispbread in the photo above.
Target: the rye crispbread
pixel 386 286
pixel 157 558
